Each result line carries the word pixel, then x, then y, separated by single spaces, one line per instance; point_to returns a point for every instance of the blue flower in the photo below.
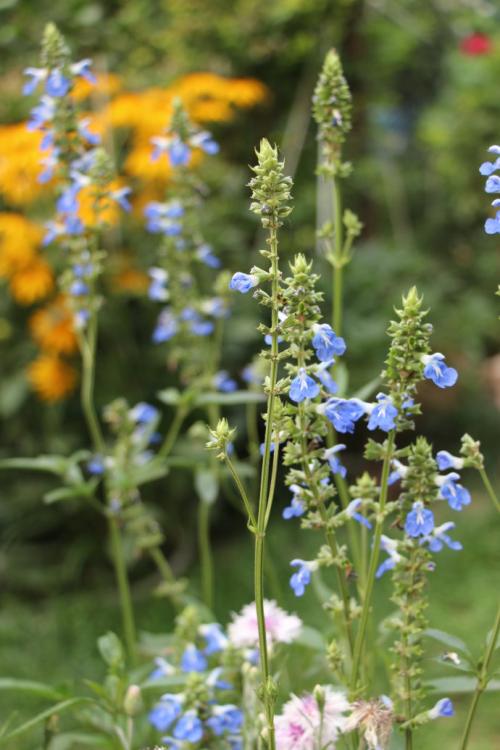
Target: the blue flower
pixel 82 69
pixel 488 167
pixel 302 577
pixel 35 77
pixel 446 460
pixel 201 327
pixel 455 495
pixel 223 382
pixel 41 114
pixel 205 254
pixel 226 718
pixel 322 372
pixel 435 369
pixel 439 538
pixel 165 712
pixel 162 669
pixel 179 152
pixel 121 197
pixel 157 289
pixel 193 660
pixel 57 84
pixel 302 387
pixel 383 414
pixel 215 638
pixel 343 413
pixel 204 140
pixel 391 547
pixel 443 707
pixel 336 466
pixel 143 413
pixel 68 200
pixel 243 282
pixel 166 327
pixel 326 342
pixel 492 226
pixel 419 521
pixel 78 288
pixel 352 512
pixel 93 139
pixel 161 218
pixel 296 507
pixel 492 184
pixel 189 728
pixel 95 465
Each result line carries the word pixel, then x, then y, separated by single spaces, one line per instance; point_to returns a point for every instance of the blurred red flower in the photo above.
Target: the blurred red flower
pixel 475 44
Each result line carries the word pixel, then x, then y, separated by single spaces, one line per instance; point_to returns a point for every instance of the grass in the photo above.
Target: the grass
pixel 54 639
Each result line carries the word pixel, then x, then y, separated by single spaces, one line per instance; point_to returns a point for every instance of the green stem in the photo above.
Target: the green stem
pixel 482 680
pixel 272 484
pixel 123 588
pixel 242 491
pixel 88 348
pixel 173 431
pixel 166 572
pixel 365 612
pixel 206 561
pixel 266 496
pixel 338 264
pixel 489 489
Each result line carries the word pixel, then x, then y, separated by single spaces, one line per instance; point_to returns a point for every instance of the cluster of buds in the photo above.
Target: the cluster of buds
pixel 271 189
pixel 332 113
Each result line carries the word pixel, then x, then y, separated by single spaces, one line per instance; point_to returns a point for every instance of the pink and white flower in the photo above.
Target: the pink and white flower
pixel 281 627
pixel 311 722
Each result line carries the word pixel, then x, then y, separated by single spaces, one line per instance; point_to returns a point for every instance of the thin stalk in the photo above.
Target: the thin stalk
pixel 365 612
pixel 88 348
pixel 266 496
pixel 123 589
pixel 489 489
pixel 337 291
pixel 242 491
pixel 173 431
pixel 482 680
pixel 166 572
pixel 206 561
pixel 272 484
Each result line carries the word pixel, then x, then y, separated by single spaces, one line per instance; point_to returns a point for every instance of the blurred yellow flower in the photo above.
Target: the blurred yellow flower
pixel 106 85
pixel 20 166
pixel 130 280
pixel 32 282
pixel 108 209
pixel 52 327
pixel 51 377
pixel 19 240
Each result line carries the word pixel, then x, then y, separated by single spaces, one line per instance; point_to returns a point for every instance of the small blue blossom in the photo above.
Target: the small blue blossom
pixel 82 69
pixel 419 521
pixel 435 369
pixel 492 226
pixel 163 218
pixel 343 413
pixel 322 372
pixel 189 728
pixel 391 547
pixel 331 456
pixel 443 708
pixel 162 669
pixel 165 712
pixel 121 197
pixel 204 140
pixel 93 139
pixel 205 254
pixel 224 383
pixel 488 167
pixel 383 414
pixel 455 495
pixel 326 342
pixel 296 507
pixel 41 114
pixel 78 288
pixel 143 413
pixel 35 77
pixel 226 718
pixel 193 660
pixel 95 465
pixel 243 282
pixel 166 327
pixel 439 538
pixel 302 387
pixel 492 184
pixel 201 327
pixel 215 638
pixel 352 512
pixel 157 289
pixel 214 681
pixel 446 460
pixel 57 84
pixel 302 577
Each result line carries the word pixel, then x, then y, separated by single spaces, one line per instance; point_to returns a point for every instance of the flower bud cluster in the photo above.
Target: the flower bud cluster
pixel 271 189
pixel 332 112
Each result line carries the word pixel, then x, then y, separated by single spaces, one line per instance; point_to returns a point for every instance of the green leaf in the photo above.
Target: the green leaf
pixel 111 649
pixel 57 708
pixel 454 643
pixel 53 464
pixel 86 489
pixel 206 483
pixel 70 740
pixel 236 398
pixel 40 689
pixel 169 396
pixel 152 686
pixel 459 685
pixel 149 472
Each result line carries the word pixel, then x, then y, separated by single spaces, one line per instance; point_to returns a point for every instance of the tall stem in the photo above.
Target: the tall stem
pixel 365 612
pixel 337 255
pixel 489 489
pixel 173 431
pixel 123 588
pixel 482 680
pixel 206 561
pixel 266 496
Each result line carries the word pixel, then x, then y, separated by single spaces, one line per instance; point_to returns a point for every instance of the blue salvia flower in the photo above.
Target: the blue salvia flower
pixel 35 77
pixel 382 414
pixel 203 139
pixel 446 460
pixel 95 465
pixel 352 512
pixel 162 669
pixel 243 282
pixel 143 413
pixel 215 638
pixel 296 507
pixel 419 521
pixel 322 372
pixel 189 727
pixel 57 85
pixel 331 456
pixel 226 718
pixel 166 711
pixel 93 139
pixel 342 413
pixel 163 218
pixel 157 290
pixel 205 254
pixel 166 326
pixel 193 660
pixel 41 114
pixel 82 69
pixel 121 197
pixel 443 708
pixel 455 495
pixel 301 579
pixel 302 387
pixel 440 538
pixel 326 343
pixel 201 327
pixel 436 369
pixel 224 383
pixel 391 547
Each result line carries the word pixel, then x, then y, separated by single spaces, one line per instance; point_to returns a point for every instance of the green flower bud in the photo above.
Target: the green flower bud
pixel 220 437
pixel 271 189
pixel 132 704
pixel 332 107
pixel 471 451
pixel 55 52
